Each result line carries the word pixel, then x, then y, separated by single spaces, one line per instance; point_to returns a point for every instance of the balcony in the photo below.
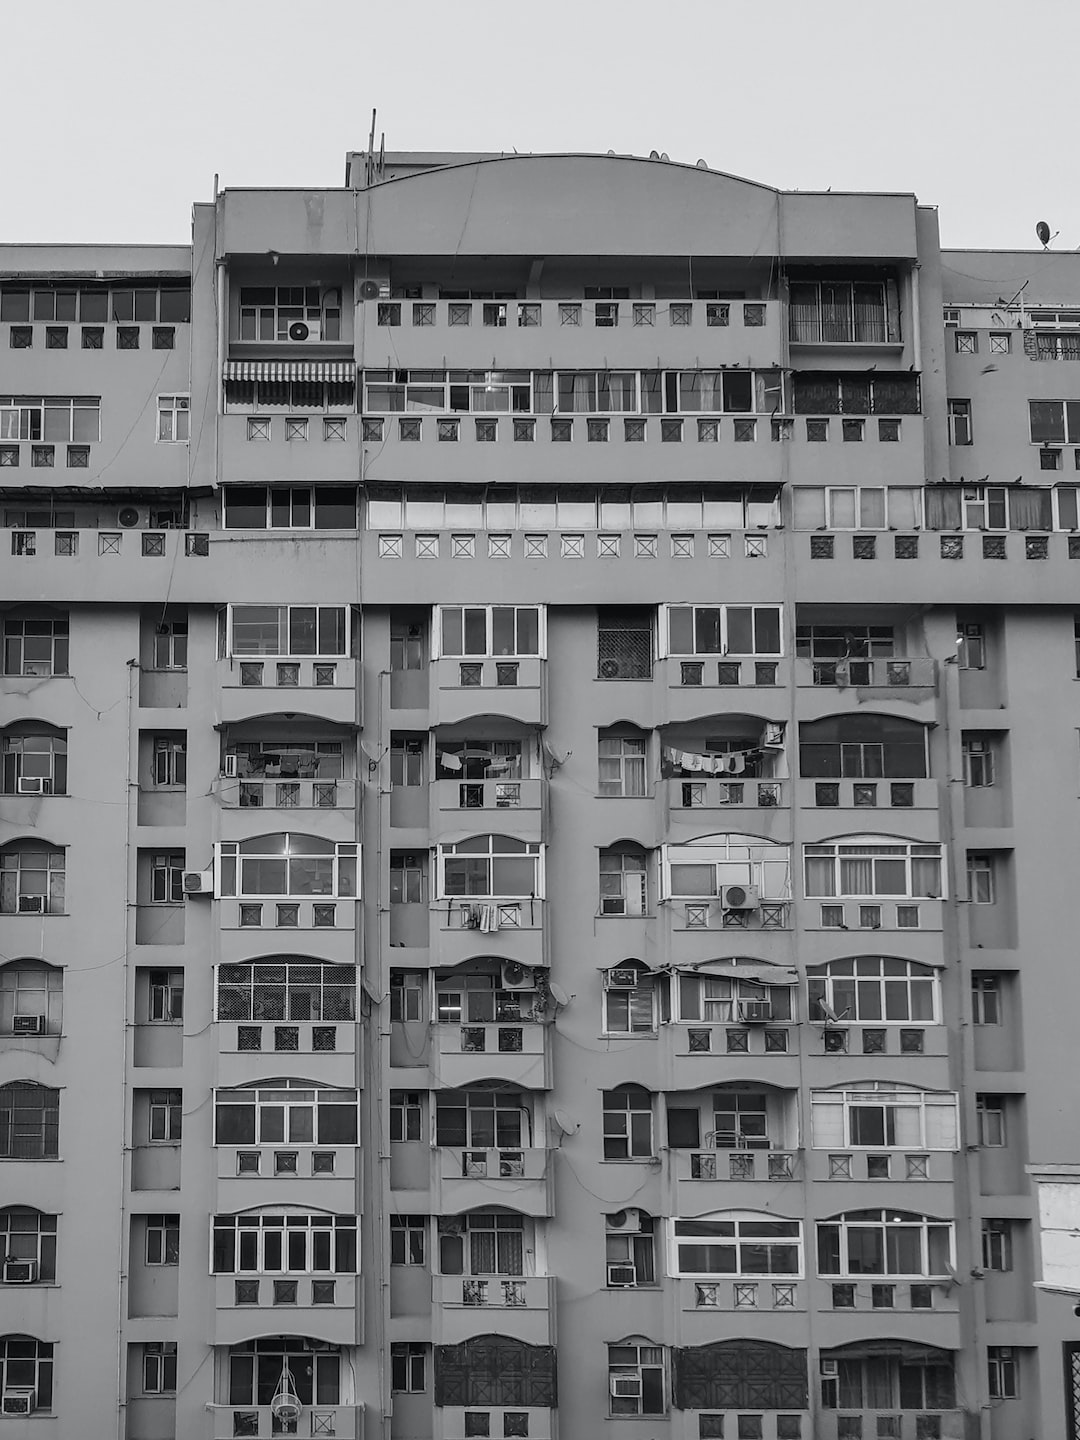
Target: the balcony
pixel 306 1304
pixel 450 1421
pixel 253 1050
pixel 911 678
pixel 334 919
pixel 325 1177
pixel 698 686
pixel 859 1165
pixel 901 1424
pixel 520 1306
pixel 251 688
pixel 527 332
pixel 518 1053
pixel 739 1165
pixel 766 1052
pixel 913 1040
pixel 903 913
pixel 711 794
pixel 691 916
pixel 471 1179
pixel 868 795
pixel 465 688
pixel 467 930
pixel 297 793
pixel 495 802
pixel 346 1422
pixel 706 1297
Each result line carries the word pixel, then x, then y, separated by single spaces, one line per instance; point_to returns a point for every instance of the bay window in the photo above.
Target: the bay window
pixel 482 1243
pixel 915 1378
pixel 286 988
pixel 703 868
pixel 292 1112
pixel 723 630
pixel 720 999
pixel 287 865
pixel 493 866
pixel 862 747
pixel 482 1119
pixel 896 1243
pixel 736 1244
pixel 288 630
pixel 874 988
pixel 255 1370
pixel 483 630
pixel 884 1117
pixel 873 865
pixel 844 312
pixel 284 1241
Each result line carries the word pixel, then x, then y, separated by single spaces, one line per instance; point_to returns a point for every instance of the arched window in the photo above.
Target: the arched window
pixel 289 1112
pixel 284 1240
pixel 288 865
pixel 26 1372
pixel 485 1242
pixel 628 1123
pixel 490 866
pixel 885 1242
pixel 706 867
pixel 881 1116
pixel 286 987
pixel 29 1121
pixel 31 878
pixel 862 747
pixel 31 998
pixel 874 988
pixel 255 1371
pixel 624 887
pixel 34 759
pixel 27 1244
pixel 737 1243
pixel 873 865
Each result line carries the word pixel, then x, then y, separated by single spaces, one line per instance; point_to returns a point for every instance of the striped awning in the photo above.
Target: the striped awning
pixel 334 372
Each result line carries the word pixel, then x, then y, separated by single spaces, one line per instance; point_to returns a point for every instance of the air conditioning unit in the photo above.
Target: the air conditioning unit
pixel 33 785
pixel 621 1276
pixel 611 669
pixel 516 976
pixel 31 905
pixel 198 882
pixel 20 1272
pixel 369 289
pixel 28 1024
pixel 739 897
pixel 755 1012
pixel 622 977
pixel 830 1367
pixel 17 1401
pixel 128 516
pixel 607 314
pixel 773 736
pixel 232 766
pixel 302 331
pixel 626 1387
pixel 627 1220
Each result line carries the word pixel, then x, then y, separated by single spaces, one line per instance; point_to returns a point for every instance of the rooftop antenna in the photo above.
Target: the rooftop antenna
pixel 369 158
pixel 382 154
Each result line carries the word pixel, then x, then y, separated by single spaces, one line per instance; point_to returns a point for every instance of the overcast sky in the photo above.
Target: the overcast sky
pixel 117 114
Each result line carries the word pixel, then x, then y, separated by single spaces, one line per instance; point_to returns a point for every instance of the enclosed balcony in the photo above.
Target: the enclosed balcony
pixel 484 1278
pixel 489 1151
pixel 740 1132
pixel 489 1021
pixel 489 884
pixel 847 656
pixel 894 1387
pixel 496 650
pixel 294 764
pixel 742 1009
pixel 286 1004
pixel 723 882
pixel 492 767
pixel 727 763
pixel 309 1376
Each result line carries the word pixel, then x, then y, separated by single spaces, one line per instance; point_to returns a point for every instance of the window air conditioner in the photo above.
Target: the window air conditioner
pixel 830 1367
pixel 198 882
pixel 33 785
pixel 620 1276
pixel 755 1012
pixel 622 977
pixel 28 1024
pixel 516 976
pixel 20 1272
pixel 626 1387
pixel 301 331
pixel 628 1220
pixel 17 1401
pixel 31 904
pixel 739 897
pixel 232 766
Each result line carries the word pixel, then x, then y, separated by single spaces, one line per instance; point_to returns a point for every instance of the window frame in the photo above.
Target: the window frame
pixel 291 1098
pixel 978 753
pixel 285 631
pixel 164 1115
pixel 159 1377
pixel 889 1222
pixel 735 860
pixel 237 998
pixel 1067 432
pixel 441 641
pixel 54 657
pixel 41 993
pixel 161 1240
pixel 231 857
pixel 628 776
pixel 737 1242
pixel 821 986
pixel 724 613
pixel 50 741
pixel 25 418
pixel 54 869
pixel 877 849
pixel 638 1142
pixel 330 1245
pixel 34 1241
pixel 413 1233
pixel 885 1097
pixel 408 1367
pixel 644 1363
pixel 449 851
pixel 173 417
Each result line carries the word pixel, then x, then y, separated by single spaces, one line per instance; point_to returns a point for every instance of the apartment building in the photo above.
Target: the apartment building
pixel 447 990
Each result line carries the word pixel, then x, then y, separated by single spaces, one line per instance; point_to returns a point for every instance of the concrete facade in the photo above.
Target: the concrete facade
pixel 555 552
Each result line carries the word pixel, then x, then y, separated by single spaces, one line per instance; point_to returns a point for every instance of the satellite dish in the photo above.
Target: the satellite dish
pixel 559 995
pixel 1042 230
pixel 702 164
pixel 654 154
pixel 565 1123
pixel 664 155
